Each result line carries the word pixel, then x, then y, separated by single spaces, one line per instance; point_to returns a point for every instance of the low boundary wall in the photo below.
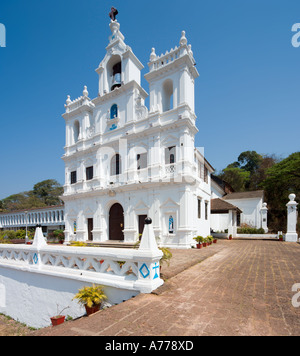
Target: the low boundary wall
pixel 38 281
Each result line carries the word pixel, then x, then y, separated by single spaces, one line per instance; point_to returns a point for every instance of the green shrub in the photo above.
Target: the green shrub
pixel 59 234
pixel 250 231
pixel 20 234
pixel 9 234
pixel 199 239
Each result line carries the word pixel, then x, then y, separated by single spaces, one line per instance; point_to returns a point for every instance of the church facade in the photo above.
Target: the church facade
pixel 125 161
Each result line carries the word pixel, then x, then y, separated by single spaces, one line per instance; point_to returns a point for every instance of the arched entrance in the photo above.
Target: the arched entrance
pixel 116 223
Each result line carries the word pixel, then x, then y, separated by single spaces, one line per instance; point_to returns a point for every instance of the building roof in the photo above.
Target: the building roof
pixel 245 195
pixel 226 187
pixel 49 207
pixel 219 206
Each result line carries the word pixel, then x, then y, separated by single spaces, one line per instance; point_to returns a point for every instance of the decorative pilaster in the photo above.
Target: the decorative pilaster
pixel 149 266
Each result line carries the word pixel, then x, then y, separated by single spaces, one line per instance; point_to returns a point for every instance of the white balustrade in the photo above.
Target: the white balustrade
pixel 130 269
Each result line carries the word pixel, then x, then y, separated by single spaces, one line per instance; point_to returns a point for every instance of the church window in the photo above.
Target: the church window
pixel 206 210
pixel 205 175
pixel 89 173
pixel 73 177
pixel 170 155
pixel 76 131
pixel 142 161
pixel 114 111
pixel 199 208
pixel 167 95
pixel 116 81
pixel 116 165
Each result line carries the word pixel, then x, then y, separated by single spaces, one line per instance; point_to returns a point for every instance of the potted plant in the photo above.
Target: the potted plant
pixel 200 240
pixel 210 239
pixel 230 237
pixel 280 237
pixel 167 255
pixel 58 319
pixel 215 240
pixel 60 236
pixel 91 298
pixel 205 242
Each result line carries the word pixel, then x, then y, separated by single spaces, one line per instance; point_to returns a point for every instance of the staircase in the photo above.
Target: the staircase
pixel 112 244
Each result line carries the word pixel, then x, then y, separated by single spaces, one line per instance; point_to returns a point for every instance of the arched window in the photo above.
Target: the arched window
pixel 115 169
pixel 114 111
pixel 170 155
pixel 76 130
pixel 114 70
pixel 167 95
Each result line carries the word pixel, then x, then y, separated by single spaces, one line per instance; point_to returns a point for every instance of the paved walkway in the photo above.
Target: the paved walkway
pixel 239 288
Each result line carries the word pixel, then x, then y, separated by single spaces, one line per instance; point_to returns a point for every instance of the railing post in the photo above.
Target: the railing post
pixel 149 261
pixel 38 243
pixel 292 212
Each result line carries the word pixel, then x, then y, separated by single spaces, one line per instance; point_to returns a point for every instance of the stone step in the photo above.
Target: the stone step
pixel 112 244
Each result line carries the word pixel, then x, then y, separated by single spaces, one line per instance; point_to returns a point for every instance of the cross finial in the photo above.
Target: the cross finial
pixel 113 13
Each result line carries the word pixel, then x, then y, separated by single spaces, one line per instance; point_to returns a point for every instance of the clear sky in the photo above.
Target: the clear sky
pixel 247 96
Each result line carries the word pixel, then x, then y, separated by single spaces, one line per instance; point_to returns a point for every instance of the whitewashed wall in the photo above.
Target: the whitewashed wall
pixel 33 298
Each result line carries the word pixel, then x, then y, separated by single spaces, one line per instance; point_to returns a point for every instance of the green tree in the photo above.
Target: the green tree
pixel 250 161
pixel 21 201
pixel 45 193
pixel 248 172
pixel 48 191
pixel 282 179
pixel 236 177
pixel 260 174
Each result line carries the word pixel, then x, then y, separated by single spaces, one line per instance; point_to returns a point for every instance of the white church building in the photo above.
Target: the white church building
pixel 124 161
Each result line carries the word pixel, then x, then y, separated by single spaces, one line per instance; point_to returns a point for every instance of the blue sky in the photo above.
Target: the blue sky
pixel 247 96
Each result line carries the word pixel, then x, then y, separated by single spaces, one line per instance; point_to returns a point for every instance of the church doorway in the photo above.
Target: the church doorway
pixel 90 229
pixel 116 223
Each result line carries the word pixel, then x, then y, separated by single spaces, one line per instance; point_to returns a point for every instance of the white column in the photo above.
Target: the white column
pixel 292 212
pixel 230 223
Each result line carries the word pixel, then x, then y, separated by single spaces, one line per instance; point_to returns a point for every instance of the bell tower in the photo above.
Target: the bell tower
pixel 119 66
pixel 172 77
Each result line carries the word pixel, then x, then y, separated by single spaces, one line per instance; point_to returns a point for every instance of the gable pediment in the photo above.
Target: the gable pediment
pixel 141 206
pixel 169 205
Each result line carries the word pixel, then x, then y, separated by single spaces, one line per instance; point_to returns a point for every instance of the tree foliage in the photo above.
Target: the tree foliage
pixel 282 179
pixel 278 178
pixel 48 192
pixel 45 193
pixel 236 177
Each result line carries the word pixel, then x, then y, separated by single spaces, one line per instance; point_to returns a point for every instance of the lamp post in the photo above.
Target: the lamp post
pixel 26 236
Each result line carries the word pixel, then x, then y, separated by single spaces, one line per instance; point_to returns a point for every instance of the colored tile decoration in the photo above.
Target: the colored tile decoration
pixel 144 270
pixel 155 268
pixel 35 258
pixel 114 127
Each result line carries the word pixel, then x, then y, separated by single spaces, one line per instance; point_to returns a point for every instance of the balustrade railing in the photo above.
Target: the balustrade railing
pixel 121 268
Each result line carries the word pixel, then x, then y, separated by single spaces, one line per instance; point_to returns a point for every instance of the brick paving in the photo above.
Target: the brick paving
pixel 239 288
